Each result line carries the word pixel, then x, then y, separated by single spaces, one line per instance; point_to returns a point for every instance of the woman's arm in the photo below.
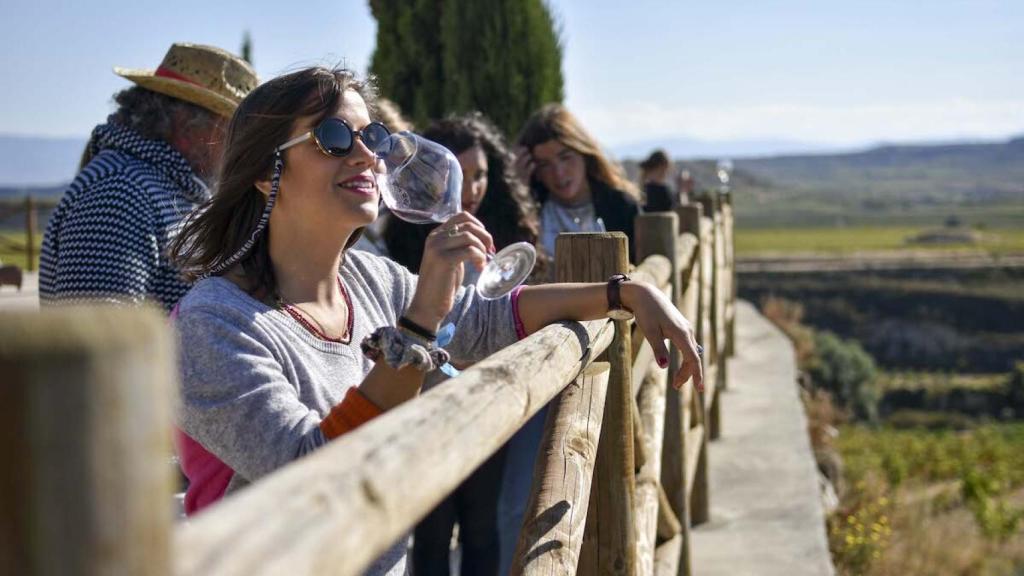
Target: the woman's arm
pixel 461 239
pixel 656 316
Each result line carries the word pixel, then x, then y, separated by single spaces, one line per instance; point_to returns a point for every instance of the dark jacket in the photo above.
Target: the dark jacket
pixel 659 197
pixel 617 209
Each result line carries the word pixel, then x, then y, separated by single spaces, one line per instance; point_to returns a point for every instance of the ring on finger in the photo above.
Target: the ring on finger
pixel 453 230
pixel 700 351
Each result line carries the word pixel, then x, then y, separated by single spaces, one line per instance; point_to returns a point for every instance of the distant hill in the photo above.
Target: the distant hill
pixel 33 161
pixel 692 148
pixel 959 172
pixel 982 183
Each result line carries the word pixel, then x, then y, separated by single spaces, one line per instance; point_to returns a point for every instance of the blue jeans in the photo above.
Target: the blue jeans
pixel 520 458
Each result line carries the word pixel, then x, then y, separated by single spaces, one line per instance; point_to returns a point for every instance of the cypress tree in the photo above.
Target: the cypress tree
pixel 434 57
pixel 246 52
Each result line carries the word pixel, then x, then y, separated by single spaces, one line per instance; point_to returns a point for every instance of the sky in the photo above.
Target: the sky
pixel 829 72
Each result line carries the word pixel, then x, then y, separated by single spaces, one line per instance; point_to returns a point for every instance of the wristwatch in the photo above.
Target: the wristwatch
pixel 615 309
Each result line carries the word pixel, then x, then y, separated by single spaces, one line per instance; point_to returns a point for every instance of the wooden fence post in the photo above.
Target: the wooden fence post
pixel 657 233
pixel 30 233
pixel 609 541
pixel 728 231
pixel 553 526
pixel 85 441
pixel 690 218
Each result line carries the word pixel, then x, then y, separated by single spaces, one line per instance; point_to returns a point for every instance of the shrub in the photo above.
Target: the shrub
pixel 848 372
pixel 860 531
pixel 996 519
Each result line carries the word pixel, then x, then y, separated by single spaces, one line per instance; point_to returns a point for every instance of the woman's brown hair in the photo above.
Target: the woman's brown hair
pixel 555 122
pixel 264 120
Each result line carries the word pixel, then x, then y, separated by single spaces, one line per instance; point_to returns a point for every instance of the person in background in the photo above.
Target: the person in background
pixel 685 185
pixel 654 171
pixel 144 170
pixel 492 192
pixel 580 190
pixel 293 339
pixel 578 187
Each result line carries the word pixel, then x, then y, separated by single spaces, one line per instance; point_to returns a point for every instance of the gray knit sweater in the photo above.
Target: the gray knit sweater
pixel 256 384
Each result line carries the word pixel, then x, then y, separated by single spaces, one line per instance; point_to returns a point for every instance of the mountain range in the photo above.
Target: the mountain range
pixel 919 183
pixel 29 161
pixel 690 148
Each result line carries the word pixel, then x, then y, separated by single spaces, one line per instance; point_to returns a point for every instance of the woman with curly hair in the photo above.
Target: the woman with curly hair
pixel 490 191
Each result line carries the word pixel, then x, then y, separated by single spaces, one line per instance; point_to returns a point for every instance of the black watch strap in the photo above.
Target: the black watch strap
pixel 614 296
pixel 416 329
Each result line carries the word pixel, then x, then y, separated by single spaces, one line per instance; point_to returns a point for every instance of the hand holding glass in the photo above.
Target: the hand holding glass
pixel 422 183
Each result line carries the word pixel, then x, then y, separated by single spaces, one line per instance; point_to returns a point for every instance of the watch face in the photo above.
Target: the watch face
pixel 620 314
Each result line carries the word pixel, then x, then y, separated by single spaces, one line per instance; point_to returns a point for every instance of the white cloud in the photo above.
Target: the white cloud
pixel 842 125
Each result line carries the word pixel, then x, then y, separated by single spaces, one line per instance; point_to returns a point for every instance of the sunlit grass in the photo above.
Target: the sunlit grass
pixel 8 255
pixel 910 493
pixel 939 382
pixel 867 239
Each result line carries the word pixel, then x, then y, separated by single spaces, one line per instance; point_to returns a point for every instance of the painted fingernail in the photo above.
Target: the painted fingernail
pixel 662 362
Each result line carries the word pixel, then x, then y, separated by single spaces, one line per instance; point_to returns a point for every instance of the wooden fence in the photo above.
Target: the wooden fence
pixel 621 477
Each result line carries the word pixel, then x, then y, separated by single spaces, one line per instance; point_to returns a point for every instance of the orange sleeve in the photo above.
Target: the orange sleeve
pixel 353 411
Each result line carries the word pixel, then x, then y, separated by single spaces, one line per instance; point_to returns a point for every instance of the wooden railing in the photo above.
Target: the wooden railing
pixel 621 476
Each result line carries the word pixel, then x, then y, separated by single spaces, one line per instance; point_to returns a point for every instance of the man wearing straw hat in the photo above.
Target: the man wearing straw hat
pixel 143 172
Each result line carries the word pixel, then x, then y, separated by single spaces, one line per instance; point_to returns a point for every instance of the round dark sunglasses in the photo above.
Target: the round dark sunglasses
pixel 336 138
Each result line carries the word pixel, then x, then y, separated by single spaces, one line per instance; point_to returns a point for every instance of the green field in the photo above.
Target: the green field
pixel 8 255
pixel 867 239
pixel 939 382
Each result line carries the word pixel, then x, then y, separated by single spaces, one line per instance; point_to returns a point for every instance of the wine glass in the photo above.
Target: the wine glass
pixel 422 183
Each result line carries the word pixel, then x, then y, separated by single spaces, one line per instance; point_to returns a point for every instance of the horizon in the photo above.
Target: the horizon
pixel 65 151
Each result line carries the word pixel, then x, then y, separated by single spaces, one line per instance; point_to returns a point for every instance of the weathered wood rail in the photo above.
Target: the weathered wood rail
pixel 621 476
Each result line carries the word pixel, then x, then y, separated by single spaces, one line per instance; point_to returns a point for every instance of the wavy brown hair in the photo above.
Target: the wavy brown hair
pixel 507 211
pixel 264 120
pixel 555 122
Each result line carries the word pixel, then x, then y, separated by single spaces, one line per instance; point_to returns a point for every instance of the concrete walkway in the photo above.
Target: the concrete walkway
pixel 25 299
pixel 766 513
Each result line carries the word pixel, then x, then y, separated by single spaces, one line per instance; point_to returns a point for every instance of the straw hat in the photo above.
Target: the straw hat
pixel 204 75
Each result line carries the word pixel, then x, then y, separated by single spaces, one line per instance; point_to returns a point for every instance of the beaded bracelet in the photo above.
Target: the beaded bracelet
pixel 398 350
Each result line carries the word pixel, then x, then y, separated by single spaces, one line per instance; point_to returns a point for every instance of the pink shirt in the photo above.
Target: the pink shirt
pixel 208 477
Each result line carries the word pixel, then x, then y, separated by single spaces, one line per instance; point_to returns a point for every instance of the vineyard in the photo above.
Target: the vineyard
pixel 912 493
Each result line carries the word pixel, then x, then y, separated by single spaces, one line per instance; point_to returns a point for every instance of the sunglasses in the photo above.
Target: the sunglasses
pixel 336 138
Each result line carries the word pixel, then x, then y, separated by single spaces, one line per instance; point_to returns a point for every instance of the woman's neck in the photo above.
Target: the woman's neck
pixel 582 198
pixel 306 266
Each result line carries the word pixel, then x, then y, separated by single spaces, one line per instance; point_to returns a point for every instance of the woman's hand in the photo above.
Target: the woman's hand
pixel 660 320
pixel 524 165
pixel 461 239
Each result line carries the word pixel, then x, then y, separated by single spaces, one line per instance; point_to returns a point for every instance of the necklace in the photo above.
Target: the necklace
pixel 315 329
